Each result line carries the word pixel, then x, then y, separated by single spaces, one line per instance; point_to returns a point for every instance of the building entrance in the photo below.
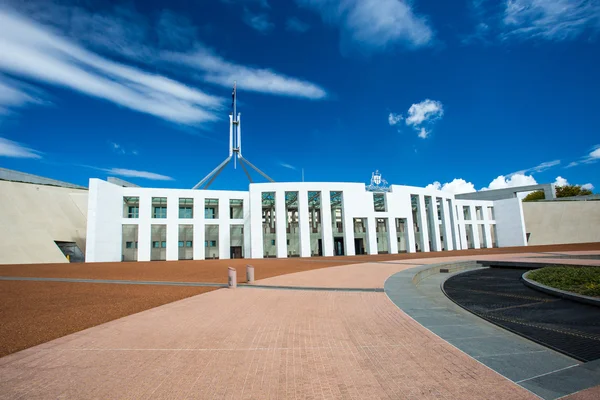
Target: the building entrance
pixel 236 252
pixel 359 246
pixel 338 245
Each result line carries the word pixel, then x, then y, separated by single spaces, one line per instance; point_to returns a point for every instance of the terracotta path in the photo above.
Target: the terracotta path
pixel 260 343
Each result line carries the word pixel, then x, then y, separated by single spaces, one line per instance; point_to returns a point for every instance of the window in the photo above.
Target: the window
pixel 479 212
pixel 186 208
pixel 132 207
pixel 379 202
pixel 180 243
pixel 136 245
pixel 163 244
pixel 156 245
pixel 159 207
pixel 236 209
pixel 188 243
pixel 129 245
pixel 273 242
pixel 467 212
pixel 133 212
pixel 211 208
pixel 491 213
pixel 209 243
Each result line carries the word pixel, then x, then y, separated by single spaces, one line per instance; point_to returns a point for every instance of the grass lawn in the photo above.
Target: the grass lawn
pixel 580 280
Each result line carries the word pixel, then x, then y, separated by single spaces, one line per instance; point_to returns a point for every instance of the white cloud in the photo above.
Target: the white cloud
pixel 560 181
pixel 34 52
pixel 14 94
pixel 222 72
pixel 538 168
pixel 288 166
pixel 588 186
pixel 592 157
pixel 259 22
pixel 457 186
pixel 550 19
pixel 423 133
pixel 138 174
pixel 162 45
pixel 295 25
pixel 120 149
pixel 514 180
pixel 424 111
pixel 374 25
pixel 394 119
pixel 9 148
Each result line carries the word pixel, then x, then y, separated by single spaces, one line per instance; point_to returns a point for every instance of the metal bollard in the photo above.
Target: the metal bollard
pixel 232 283
pixel 249 273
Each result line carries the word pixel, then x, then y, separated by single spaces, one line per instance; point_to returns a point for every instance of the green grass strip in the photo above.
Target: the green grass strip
pixel 580 280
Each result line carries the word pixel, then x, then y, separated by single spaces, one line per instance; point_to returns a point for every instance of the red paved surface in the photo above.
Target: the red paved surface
pixel 255 343
pixel 590 394
pixel 258 343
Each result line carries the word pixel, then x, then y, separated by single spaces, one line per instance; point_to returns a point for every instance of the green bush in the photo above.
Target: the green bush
pixel 581 280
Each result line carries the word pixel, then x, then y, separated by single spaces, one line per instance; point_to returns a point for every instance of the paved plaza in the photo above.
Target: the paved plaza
pixel 256 343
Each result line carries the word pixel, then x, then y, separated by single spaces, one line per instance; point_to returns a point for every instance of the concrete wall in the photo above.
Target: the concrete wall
pixel 33 216
pixel 439 230
pixel 554 222
pixel 510 223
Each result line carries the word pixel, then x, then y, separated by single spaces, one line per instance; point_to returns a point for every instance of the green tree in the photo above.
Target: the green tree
pixel 571 190
pixel 533 196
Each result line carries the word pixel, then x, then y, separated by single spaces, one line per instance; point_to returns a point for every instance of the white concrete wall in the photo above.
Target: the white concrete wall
pixel 557 222
pixel 106 220
pixel 474 222
pixel 510 224
pixel 104 230
pixel 33 216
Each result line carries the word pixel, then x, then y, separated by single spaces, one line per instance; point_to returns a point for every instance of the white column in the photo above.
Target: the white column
pixel 447 225
pixel 326 227
pixel 172 252
pixel 303 224
pixel 475 227
pixel 256 233
pixel 280 222
pixel 199 239
pixel 198 221
pixel 247 230
pixel 145 222
pixel 371 235
pixel 433 217
pixel 392 236
pixel 348 234
pixel 422 215
pixel 486 228
pixel 224 230
pixel 455 225
pixel 410 232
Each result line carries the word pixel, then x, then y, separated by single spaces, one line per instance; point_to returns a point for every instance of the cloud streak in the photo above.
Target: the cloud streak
pixel 259 22
pixel 33 52
pixel 221 72
pixel 373 25
pixel 288 166
pixel 131 173
pixel 9 148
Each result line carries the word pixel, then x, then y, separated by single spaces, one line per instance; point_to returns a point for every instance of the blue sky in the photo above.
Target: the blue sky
pixel 461 95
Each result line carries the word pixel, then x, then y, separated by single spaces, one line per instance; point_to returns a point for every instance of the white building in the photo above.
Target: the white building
pixel 291 219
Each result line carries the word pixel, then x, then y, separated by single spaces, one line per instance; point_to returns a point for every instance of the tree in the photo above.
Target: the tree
pixel 533 196
pixel 571 190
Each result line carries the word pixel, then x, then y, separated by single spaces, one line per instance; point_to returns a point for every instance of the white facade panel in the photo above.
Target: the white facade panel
pixel 106 219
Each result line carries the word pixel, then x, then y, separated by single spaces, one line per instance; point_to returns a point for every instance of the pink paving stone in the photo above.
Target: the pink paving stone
pixel 255 343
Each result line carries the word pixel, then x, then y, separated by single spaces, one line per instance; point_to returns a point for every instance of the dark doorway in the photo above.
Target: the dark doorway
pixel 320 247
pixel 359 246
pixel 236 252
pixel 71 251
pixel 338 246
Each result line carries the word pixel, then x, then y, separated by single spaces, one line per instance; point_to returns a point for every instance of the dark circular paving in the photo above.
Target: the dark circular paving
pixel 499 296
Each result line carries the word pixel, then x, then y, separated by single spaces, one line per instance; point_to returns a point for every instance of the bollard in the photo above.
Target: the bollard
pixel 232 278
pixel 249 273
